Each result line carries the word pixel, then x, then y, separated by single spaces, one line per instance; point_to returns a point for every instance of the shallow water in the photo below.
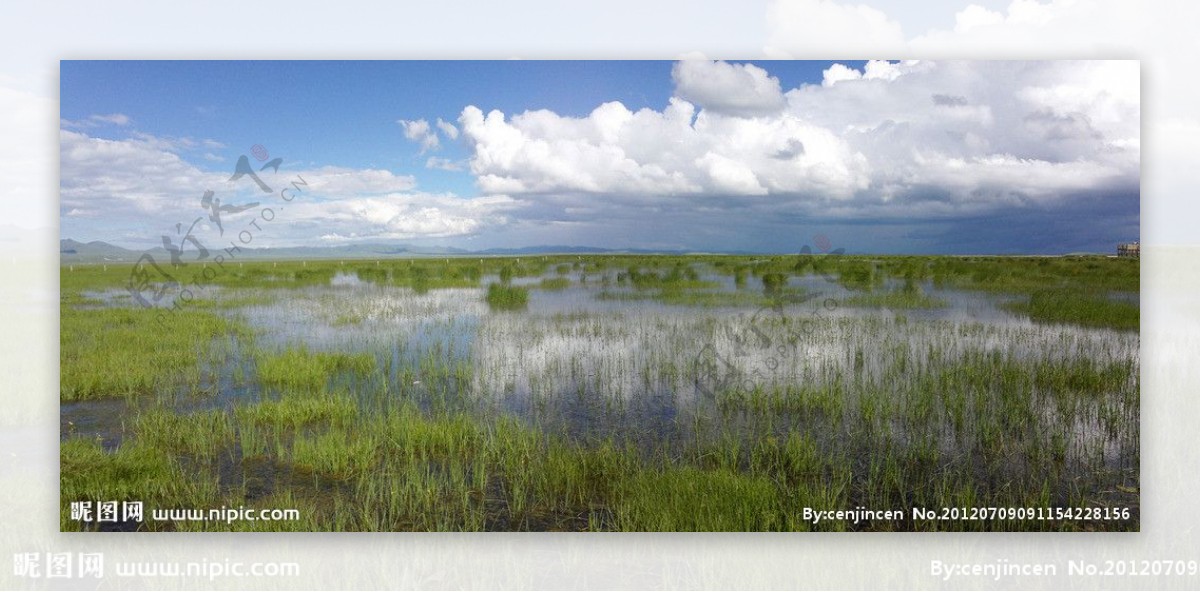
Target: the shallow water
pixel 642 371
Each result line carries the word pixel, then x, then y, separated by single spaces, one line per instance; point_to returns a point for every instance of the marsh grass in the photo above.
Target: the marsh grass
pixel 292 411
pixel 297 368
pixel 336 454
pixel 1089 310
pixel 135 471
pixel 131 352
pixel 1032 274
pixel 586 420
pixel 688 499
pixel 554 284
pixel 201 434
pixel 773 283
pixel 506 297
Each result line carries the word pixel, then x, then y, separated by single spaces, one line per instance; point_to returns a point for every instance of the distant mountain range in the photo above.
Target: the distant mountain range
pixel 73 251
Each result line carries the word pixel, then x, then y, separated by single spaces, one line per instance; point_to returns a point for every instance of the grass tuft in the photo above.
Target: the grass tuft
pixel 506 297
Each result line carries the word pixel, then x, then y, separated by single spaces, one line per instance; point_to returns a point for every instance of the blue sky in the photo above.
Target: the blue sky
pixel 344 113
pixel 701 155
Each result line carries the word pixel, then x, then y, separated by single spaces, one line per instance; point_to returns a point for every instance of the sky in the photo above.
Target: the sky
pixel 966 157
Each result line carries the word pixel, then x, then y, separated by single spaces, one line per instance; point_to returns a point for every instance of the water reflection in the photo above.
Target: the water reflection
pixel 585 363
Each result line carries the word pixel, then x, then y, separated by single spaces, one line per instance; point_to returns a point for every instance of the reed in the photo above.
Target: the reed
pixel 505 297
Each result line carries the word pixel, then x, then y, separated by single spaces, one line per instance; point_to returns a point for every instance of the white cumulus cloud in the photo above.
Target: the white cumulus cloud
pixel 140 187
pixel 402 216
pixel 891 132
pixel 734 89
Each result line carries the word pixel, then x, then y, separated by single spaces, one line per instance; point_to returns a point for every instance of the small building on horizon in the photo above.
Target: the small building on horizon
pixel 1133 249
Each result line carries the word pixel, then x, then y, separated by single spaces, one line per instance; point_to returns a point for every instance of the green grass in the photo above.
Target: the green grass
pixel 201 434
pixel 773 283
pixel 335 454
pixel 1031 274
pixel 296 411
pixel 686 499
pixel 854 273
pixel 134 472
pixel 296 368
pixel 505 297
pixel 878 411
pixel 1051 306
pixel 558 283
pixel 129 352
pixel 699 298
